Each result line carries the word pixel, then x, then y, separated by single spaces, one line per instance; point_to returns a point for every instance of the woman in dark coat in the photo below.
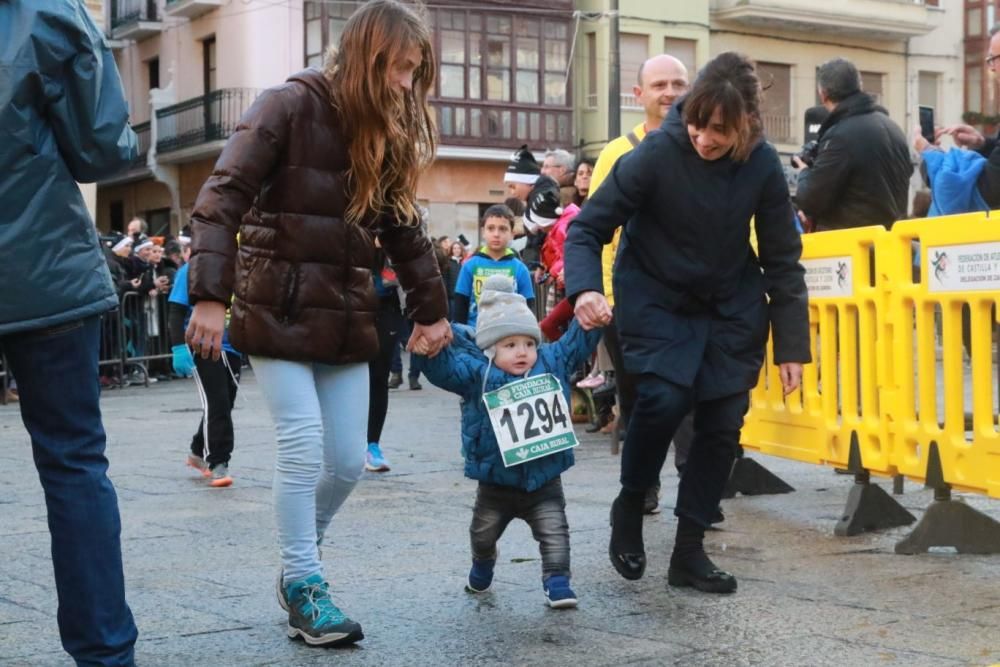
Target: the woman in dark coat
pixel 692 300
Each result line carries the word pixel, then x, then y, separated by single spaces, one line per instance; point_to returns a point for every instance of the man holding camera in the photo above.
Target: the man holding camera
pixel 860 172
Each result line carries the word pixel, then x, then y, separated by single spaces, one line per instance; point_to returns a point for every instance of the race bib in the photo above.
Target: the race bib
pixel 530 419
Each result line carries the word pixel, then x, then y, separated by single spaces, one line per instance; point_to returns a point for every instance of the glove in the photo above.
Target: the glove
pixel 183 361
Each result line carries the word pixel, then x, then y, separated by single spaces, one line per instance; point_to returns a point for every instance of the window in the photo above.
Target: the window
pixel 556 41
pixel 973 22
pixel 159 221
pixel 927 88
pixel 776 102
pixel 153 72
pixel 684 50
pixel 324 24
pixel 633 52
pixel 528 60
pixel 498 30
pixel 208 58
pixel 117 216
pixel 974 88
pixel 453 54
pixel 592 70
pixel 871 83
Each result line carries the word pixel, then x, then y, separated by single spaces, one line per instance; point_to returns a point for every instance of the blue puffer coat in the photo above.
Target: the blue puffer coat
pixel 63 120
pixel 459 368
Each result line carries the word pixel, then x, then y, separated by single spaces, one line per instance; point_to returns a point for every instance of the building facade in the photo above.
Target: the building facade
pixel 645 29
pixel 192 67
pixel 909 53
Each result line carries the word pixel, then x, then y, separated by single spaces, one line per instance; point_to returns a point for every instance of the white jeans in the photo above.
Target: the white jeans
pixel 320 414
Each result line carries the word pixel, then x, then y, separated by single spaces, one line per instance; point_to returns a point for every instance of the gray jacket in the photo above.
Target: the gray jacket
pixel 63 120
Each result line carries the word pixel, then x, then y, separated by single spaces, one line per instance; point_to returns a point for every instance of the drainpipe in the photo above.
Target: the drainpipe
pixel 614 77
pixel 169 175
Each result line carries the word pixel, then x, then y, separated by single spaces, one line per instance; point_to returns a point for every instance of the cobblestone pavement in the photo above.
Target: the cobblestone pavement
pixel 201 562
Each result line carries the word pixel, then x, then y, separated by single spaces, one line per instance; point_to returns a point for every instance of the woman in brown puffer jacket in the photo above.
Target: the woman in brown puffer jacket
pixel 318 167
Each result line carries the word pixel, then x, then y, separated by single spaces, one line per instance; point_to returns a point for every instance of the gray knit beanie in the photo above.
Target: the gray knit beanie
pixel 503 312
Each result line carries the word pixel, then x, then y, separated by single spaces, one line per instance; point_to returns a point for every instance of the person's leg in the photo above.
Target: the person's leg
pixel 216 387
pixel 289 389
pixel 343 399
pixel 387 327
pixel 658 410
pixel 545 512
pixel 491 515
pixel 717 426
pixel 57 376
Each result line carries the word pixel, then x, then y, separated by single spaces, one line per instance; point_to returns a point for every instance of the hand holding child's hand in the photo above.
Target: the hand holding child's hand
pixel 592 310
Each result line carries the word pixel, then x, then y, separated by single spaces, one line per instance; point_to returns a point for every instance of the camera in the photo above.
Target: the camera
pixel 808 153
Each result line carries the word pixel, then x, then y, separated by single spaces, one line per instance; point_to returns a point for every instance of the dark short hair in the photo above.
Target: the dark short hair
pixel 995 29
pixel 838 79
pixel 728 83
pixel 171 248
pixel 515 205
pixel 498 211
pixel 586 160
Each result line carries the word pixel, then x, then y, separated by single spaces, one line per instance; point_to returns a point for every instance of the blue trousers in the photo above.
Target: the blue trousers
pixel 57 378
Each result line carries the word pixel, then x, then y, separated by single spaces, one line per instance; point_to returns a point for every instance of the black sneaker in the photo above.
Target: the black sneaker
pixel 651 503
pixel 395 380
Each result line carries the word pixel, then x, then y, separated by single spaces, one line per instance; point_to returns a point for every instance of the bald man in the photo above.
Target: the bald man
pixel 660 82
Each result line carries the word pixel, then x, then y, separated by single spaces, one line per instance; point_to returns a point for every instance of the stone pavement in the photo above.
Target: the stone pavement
pixel 200 563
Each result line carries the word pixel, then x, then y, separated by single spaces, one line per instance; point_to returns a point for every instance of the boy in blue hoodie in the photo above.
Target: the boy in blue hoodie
pixel 505 349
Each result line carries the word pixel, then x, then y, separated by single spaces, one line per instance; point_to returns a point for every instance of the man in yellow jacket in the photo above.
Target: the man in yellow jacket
pixel 661 80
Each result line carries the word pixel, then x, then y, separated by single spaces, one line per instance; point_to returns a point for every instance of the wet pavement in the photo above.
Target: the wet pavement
pixel 201 562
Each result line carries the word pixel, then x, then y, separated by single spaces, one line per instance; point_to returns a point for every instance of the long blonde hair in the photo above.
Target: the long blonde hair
pixel 391 133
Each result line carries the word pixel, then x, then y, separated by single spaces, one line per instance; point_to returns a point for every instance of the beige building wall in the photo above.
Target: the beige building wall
pixel 684 23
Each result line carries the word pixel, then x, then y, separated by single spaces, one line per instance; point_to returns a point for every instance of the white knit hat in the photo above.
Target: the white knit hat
pixel 503 312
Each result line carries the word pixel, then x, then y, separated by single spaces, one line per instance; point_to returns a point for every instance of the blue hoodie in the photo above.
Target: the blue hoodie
pixel 952 176
pixel 459 369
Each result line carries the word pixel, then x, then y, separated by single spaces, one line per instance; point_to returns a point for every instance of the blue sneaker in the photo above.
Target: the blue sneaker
pixel 480 576
pixel 374 461
pixel 558 593
pixel 313 616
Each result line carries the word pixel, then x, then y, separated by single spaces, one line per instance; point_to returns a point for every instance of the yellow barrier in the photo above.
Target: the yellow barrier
pixel 875 380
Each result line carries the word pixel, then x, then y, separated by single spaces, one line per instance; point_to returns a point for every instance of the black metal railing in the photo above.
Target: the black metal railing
pixel 486 124
pixel 124 12
pixel 211 117
pixel 143 134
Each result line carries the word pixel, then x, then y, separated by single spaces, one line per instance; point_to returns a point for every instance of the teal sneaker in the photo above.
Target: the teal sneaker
pixel 374 461
pixel 313 616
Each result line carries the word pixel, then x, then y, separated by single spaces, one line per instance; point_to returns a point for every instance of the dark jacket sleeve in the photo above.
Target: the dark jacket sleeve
pixel 412 255
pixel 176 314
pixel 620 195
pixel 780 248
pixel 85 103
pixel 821 186
pixel 989 180
pixel 247 159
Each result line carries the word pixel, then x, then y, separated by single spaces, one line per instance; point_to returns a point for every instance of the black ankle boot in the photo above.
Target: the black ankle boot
pixel 691 567
pixel 626 550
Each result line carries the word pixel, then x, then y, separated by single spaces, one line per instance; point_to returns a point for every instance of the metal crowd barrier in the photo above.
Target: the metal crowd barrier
pixel 882 396
pixel 134 339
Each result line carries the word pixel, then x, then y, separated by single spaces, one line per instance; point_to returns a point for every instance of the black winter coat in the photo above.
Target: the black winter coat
pixel 862 171
pixel 689 291
pixel 989 180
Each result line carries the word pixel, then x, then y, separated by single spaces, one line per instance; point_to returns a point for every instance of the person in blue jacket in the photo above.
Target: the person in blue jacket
pixel 63 121
pixel 217 380
pixel 693 301
pixel 504 348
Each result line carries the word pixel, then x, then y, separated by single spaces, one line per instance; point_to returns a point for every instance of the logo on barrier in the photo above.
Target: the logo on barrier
pixel 957 268
pixel 829 277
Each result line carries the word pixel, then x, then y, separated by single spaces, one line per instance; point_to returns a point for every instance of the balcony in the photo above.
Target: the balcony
pixel 865 19
pixel 191 9
pixel 142 132
pixel 200 126
pixel 134 19
pixel 778 129
pixel 486 125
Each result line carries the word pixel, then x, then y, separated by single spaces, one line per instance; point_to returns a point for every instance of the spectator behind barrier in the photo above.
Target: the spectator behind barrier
pixel 861 173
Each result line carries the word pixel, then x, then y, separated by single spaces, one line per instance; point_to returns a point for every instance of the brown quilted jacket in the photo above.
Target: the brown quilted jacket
pixel 300 278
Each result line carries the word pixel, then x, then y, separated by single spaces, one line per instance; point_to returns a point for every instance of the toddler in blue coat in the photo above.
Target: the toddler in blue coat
pixel 505 348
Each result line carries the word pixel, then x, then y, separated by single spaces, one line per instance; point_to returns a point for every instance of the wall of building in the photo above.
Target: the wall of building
pixel 452 191
pixel 660 20
pixel 137 198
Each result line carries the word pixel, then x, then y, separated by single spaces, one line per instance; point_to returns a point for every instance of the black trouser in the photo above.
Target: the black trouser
pixel 214 439
pixel 625 383
pixel 388 324
pixel 544 510
pixel 660 406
